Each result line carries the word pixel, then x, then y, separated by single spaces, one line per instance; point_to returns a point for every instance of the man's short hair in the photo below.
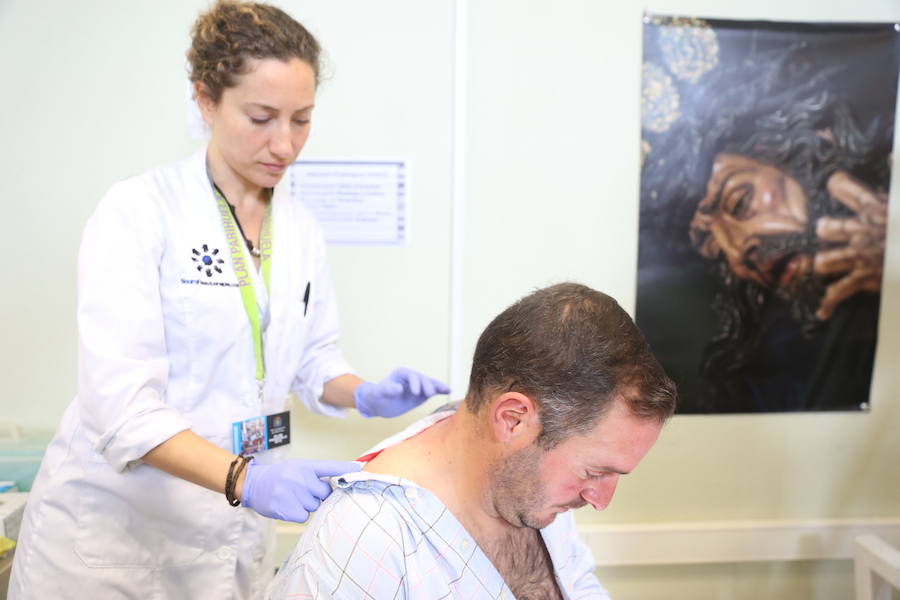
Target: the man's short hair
pixel 574 351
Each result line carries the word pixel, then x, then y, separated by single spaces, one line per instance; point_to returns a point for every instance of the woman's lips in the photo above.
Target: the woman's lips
pixel 275 167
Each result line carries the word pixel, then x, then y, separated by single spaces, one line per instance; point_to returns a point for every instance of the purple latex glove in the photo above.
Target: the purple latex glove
pixel 292 489
pixel 402 390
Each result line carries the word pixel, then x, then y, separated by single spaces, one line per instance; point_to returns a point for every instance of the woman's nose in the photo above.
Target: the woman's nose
pixel 280 142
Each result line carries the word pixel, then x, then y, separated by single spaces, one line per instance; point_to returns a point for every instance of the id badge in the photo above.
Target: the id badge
pixel 259 434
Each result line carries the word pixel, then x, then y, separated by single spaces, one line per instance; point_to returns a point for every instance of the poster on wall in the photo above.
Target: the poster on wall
pixel 357 202
pixel 765 167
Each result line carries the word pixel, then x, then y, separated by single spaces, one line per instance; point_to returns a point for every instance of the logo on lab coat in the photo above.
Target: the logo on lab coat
pixel 207 260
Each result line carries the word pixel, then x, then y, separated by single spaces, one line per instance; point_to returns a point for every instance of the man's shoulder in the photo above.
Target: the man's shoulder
pixel 360 536
pixel 368 510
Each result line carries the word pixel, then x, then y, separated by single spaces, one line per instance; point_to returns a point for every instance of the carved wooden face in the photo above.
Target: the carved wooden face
pixel 746 203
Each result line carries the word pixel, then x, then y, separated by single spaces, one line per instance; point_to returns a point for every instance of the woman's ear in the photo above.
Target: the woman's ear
pixel 514 418
pixel 204 102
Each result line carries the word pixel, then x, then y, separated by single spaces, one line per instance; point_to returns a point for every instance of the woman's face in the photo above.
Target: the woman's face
pixel 261 124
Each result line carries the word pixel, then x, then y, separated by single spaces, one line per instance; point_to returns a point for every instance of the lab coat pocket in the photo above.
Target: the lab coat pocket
pixel 140 518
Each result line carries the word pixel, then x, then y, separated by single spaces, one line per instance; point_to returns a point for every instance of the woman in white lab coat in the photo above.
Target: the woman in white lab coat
pixel 204 301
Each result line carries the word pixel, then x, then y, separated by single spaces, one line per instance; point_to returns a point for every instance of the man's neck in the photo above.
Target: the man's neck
pixel 453 462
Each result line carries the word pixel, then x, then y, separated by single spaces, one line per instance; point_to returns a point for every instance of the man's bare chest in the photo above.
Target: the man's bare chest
pixel 524 563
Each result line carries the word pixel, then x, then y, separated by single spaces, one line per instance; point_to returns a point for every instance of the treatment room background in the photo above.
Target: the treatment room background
pixel 521 121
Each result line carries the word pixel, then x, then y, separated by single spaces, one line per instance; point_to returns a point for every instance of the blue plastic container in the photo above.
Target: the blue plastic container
pixel 20 457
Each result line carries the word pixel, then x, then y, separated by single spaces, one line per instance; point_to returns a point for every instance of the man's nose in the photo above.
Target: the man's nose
pixel 599 494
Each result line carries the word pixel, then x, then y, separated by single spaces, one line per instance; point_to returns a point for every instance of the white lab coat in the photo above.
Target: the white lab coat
pixel 164 347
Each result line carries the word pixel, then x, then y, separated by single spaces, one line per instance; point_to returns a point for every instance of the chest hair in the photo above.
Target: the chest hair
pixel 524 563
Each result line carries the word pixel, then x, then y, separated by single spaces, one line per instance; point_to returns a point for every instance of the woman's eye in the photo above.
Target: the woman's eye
pixel 259 120
pixel 301 121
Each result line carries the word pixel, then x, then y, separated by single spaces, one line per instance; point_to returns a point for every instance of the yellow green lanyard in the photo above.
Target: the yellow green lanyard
pixel 242 271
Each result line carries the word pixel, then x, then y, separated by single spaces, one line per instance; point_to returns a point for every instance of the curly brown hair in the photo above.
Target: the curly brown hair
pixel 223 37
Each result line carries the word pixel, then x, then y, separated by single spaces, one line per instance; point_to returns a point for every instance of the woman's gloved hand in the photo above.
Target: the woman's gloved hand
pixel 402 390
pixel 292 489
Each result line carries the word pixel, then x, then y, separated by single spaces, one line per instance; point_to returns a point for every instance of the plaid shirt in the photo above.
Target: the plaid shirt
pixel 383 537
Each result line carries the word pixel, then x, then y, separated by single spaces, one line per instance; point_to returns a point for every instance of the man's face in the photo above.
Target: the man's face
pixel 533 485
pixel 753 214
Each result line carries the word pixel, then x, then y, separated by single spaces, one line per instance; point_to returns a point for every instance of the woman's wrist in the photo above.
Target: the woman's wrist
pixel 235 472
pixel 339 391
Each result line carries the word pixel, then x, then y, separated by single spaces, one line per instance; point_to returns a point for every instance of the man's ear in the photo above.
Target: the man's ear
pixel 204 102
pixel 514 418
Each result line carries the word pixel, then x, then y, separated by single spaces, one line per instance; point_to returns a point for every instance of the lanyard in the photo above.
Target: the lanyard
pixel 242 271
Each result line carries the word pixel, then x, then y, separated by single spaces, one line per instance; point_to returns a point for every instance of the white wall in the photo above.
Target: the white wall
pixel 553 164
pixel 390 94
pixel 554 170
pixel 94 92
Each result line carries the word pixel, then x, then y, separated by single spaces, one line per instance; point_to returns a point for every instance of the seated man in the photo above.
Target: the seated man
pixel 564 397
